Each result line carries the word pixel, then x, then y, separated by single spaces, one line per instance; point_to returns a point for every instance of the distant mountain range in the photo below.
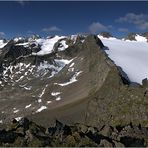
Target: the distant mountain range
pixel 130 36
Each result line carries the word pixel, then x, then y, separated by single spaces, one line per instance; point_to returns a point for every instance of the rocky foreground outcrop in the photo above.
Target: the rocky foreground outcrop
pixel 26 133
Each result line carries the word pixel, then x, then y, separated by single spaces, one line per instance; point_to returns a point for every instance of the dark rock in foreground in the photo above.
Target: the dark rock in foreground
pixel 26 133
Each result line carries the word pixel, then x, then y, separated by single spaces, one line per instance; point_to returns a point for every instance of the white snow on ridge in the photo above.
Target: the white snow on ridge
pixel 47 45
pixel 17 39
pixel 140 38
pixel 110 38
pixel 2 44
pixel 63 45
pixel 132 57
pixel 26 44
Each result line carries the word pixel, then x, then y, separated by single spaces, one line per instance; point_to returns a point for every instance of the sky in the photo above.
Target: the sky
pixel 23 18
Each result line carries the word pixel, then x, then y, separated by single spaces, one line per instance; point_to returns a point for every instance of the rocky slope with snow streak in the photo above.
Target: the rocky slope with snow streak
pixel 73 79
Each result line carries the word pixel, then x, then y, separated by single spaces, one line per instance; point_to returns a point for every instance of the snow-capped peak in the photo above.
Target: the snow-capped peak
pixel 47 45
pixel 109 38
pixel 2 43
pixel 18 39
pixel 140 38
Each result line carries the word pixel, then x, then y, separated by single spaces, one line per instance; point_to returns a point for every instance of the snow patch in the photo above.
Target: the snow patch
pixel 28 88
pixel 63 45
pixel 58 98
pixel 55 93
pixel 16 72
pixel 44 67
pixel 18 118
pixel 27 106
pixel 19 79
pixel 48 102
pixel 26 44
pixel 71 69
pixel 72 80
pixel 63 62
pixel 39 100
pixel 17 39
pixel 15 111
pixel 42 93
pixel 41 108
pixel 71 65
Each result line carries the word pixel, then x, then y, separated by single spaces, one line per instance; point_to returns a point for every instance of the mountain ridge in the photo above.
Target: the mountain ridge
pixel 79 83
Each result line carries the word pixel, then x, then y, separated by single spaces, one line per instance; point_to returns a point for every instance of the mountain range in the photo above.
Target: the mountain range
pixel 93 80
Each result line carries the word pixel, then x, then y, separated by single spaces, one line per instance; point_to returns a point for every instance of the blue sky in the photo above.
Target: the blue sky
pixel 59 17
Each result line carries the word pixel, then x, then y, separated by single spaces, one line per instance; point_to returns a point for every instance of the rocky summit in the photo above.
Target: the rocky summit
pixel 71 79
pixel 25 133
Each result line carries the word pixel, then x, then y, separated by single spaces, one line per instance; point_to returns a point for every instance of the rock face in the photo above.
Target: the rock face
pixel 137 37
pixel 118 104
pixel 145 35
pixel 27 133
pixel 131 37
pixel 75 83
pixel 106 34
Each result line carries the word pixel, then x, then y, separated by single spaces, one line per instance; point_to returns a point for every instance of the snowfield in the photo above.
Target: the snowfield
pixel 131 56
